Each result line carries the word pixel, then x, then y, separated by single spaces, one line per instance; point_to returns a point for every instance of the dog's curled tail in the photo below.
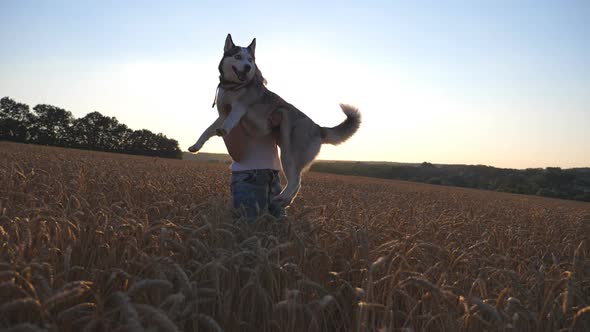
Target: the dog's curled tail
pixel 346 129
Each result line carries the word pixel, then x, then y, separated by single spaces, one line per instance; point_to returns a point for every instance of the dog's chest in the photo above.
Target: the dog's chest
pixel 228 97
pixel 255 119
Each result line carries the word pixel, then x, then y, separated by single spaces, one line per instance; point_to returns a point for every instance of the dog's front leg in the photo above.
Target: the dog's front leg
pixel 232 120
pixel 208 133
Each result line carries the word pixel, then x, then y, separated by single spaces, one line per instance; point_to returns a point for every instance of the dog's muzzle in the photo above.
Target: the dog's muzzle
pixel 242 74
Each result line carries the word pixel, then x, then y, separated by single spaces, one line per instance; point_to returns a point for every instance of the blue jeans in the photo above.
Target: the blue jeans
pixel 252 192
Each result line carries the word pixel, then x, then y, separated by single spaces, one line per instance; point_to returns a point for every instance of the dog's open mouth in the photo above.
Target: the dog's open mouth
pixel 242 75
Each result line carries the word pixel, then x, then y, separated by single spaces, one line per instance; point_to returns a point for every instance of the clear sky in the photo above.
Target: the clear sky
pixel 502 83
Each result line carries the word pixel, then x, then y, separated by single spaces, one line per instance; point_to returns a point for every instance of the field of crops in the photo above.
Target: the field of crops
pixel 93 241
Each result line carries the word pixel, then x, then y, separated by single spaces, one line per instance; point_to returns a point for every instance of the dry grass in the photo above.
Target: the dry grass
pixel 94 241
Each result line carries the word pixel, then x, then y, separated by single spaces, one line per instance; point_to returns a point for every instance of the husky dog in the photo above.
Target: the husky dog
pixel 243 90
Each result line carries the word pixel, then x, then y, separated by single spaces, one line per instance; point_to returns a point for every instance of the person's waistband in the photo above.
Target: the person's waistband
pixel 255 171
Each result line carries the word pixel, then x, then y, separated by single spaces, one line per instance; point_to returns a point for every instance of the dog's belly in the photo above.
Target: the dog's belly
pixel 255 122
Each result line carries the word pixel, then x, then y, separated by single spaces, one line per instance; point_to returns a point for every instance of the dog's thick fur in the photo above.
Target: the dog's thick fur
pixel 242 88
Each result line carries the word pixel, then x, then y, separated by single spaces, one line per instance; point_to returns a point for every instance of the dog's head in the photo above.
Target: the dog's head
pixel 238 63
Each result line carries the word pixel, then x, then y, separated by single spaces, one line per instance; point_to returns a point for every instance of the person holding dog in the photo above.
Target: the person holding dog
pixel 256 167
pixel 242 95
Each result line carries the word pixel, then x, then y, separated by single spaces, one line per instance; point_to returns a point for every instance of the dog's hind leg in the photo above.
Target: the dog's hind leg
pixel 208 133
pixel 306 151
pixel 287 162
pixel 298 150
pixel 293 175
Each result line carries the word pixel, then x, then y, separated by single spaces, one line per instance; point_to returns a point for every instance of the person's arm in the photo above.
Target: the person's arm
pixel 274 122
pixel 236 142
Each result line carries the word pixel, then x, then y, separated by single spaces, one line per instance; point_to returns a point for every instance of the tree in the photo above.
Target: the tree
pixel 52 126
pixel 15 120
pixel 140 142
pixel 167 147
pixel 147 143
pixel 98 132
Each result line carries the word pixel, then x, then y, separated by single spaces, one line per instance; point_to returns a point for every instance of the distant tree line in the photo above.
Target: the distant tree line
pixel 50 125
pixel 554 182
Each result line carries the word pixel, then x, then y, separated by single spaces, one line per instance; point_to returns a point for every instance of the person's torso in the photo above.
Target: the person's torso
pixel 261 153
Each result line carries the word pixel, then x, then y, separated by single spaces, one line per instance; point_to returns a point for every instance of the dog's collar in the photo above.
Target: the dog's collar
pixel 228 85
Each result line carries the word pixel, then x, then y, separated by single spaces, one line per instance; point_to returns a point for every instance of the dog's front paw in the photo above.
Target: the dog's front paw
pixel 220 132
pixel 194 148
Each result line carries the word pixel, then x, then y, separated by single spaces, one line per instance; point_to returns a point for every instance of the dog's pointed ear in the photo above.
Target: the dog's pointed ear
pixel 252 46
pixel 229 43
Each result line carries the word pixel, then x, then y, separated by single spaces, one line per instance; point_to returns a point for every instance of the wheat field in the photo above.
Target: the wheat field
pixel 93 241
